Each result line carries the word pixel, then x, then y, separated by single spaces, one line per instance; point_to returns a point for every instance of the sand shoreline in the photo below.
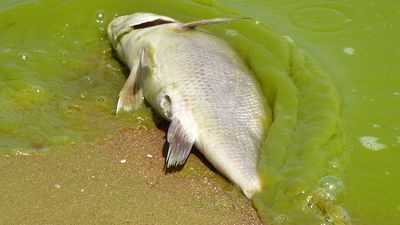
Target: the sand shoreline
pixel 115 180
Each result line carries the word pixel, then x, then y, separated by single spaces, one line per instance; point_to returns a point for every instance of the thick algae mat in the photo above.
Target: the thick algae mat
pixel 331 153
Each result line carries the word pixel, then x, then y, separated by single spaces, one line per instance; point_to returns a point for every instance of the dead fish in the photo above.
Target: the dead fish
pixel 198 83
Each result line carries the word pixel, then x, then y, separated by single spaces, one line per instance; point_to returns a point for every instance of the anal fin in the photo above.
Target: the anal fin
pixel 180 142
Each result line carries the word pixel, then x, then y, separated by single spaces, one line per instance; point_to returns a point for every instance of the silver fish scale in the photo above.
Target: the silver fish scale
pixel 223 99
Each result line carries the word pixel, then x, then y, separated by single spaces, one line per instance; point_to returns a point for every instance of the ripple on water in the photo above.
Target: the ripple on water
pixel 372 143
pixel 334 20
pixel 320 18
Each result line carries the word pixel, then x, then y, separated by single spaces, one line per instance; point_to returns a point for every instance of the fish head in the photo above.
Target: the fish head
pixel 134 26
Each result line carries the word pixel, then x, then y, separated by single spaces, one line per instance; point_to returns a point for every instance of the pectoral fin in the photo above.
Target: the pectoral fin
pixel 195 24
pixel 180 142
pixel 131 94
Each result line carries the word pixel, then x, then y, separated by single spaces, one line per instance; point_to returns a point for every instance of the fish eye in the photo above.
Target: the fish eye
pixel 153 23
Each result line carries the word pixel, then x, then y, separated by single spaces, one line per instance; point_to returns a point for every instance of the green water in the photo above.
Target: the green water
pixel 333 147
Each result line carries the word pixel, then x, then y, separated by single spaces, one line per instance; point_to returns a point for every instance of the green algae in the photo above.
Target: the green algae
pixel 303 156
pixel 59 80
pixel 60 84
pixel 291 85
pixel 303 153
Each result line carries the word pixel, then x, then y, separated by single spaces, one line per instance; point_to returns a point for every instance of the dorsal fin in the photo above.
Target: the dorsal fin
pixel 194 24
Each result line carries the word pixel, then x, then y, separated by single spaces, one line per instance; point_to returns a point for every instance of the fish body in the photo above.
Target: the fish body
pixel 198 83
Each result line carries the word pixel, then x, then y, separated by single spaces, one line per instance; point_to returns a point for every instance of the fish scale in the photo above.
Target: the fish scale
pixel 196 81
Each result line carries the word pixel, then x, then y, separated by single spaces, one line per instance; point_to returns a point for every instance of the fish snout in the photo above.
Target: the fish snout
pixel 114 28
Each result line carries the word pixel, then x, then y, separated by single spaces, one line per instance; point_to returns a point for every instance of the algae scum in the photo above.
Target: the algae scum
pixel 332 149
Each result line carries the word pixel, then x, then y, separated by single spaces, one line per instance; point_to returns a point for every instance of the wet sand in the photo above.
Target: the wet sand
pixel 119 179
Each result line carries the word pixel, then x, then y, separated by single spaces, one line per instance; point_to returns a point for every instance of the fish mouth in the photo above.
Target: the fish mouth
pixel 114 29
